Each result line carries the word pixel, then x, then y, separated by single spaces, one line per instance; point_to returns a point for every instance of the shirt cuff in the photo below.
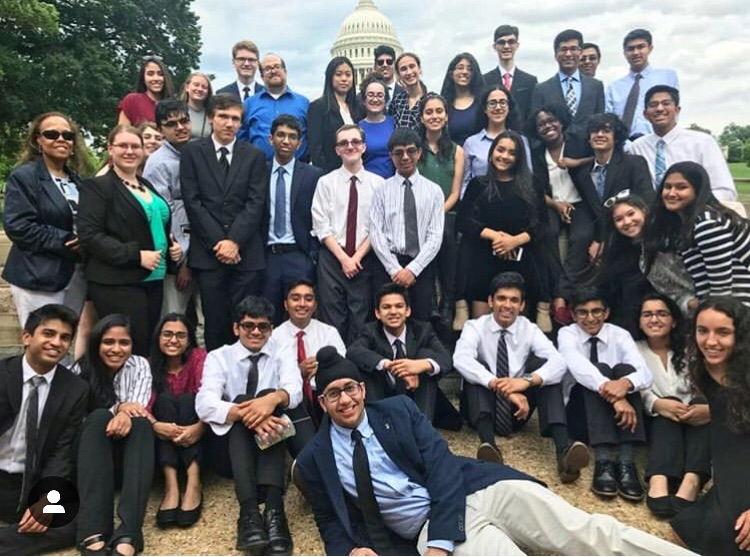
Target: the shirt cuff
pixel 445 545
pixel 435 367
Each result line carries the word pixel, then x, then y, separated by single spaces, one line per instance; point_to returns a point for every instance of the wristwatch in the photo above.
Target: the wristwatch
pixel 529 379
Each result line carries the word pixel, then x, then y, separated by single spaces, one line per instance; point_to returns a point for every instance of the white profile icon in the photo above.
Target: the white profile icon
pixel 53 497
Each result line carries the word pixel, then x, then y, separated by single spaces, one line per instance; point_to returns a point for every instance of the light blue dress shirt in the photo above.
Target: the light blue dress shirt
pixel 576 85
pixel 288 237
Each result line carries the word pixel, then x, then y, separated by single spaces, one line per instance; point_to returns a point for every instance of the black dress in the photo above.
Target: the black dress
pixel 708 526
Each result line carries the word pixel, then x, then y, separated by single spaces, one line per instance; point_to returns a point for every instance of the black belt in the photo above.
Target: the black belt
pixel 278 249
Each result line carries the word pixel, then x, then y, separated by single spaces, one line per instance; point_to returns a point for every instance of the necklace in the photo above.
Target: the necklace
pixel 137 186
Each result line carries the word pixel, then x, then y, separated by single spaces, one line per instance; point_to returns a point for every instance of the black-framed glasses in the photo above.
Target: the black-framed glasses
pixel 583 313
pixel 169 335
pixel 619 196
pixel 52 135
pixel 346 142
pixel 399 153
pixel 245 60
pixel 384 61
pixel 494 103
pixel 506 42
pixel 660 314
pixel 333 395
pixel 249 326
pixel 184 121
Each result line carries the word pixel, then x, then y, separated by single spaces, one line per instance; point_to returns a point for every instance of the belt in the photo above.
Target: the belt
pixel 278 249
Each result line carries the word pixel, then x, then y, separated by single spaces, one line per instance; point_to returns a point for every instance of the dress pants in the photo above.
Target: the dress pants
pixel 221 290
pixel 379 386
pixel 421 293
pixel 13 543
pixel 303 425
pixel 675 449
pixel 344 303
pixel 513 514
pixel 580 235
pixel 282 270
pixel 447 263
pixel 72 296
pixel 99 459
pixel 181 411
pixel 176 301
pixel 141 301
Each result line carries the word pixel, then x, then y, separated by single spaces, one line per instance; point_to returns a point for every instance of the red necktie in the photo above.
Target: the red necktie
pixel 301 355
pixel 351 218
pixel 506 80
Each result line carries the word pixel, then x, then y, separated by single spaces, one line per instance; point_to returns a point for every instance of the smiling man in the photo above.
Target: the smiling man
pixel 383 482
pixel 245 58
pixel 385 58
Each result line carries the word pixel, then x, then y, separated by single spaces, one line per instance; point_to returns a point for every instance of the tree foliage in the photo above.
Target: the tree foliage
pixel 82 56
pixel 696 127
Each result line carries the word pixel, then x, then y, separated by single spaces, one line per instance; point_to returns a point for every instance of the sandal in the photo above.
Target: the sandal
pixel 84 546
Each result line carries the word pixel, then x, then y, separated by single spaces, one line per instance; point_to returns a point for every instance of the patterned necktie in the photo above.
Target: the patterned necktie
pixel 351 218
pixel 279 214
pixel 570 98
pixel 224 161
pixel 601 180
pixel 507 80
pixel 400 354
pixel 252 375
pixel 246 89
pixel 503 407
pixel 593 352
pixel 32 426
pixel 411 235
pixel 302 355
pixel 368 504
pixel 660 165
pixel 631 103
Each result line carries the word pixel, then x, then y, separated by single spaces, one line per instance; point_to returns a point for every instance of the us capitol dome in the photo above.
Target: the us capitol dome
pixel 360 33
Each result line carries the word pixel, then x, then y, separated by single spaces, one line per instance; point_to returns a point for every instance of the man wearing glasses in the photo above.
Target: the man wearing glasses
pixel 245 56
pixel 385 58
pixel 609 372
pixel 520 83
pixel 382 481
pixel 246 387
pixel 583 96
pixel 591 57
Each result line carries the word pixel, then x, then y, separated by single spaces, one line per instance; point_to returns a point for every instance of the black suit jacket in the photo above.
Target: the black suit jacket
pixel 623 172
pixel 321 134
pixel 221 208
pixel 371 346
pixel 521 88
pixel 304 182
pixel 38 220
pixel 591 102
pixel 234 90
pixel 419 451
pixel 63 413
pixel 114 229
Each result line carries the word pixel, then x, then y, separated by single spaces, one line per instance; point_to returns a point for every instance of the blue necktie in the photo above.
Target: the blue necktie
pixel 660 166
pixel 601 178
pixel 279 217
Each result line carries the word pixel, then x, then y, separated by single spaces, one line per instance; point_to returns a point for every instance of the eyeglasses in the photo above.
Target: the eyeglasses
pixel 589 58
pixel 243 60
pixel 619 196
pixel 351 389
pixel 274 68
pixel 494 103
pixel 169 335
pixel 661 314
pixel 250 326
pixel 126 146
pixel 583 313
pixel 346 142
pixel 569 49
pixel 384 61
pixel 506 42
pixel 67 135
pixel 371 95
pixel 399 153
pixel 605 128
pixel 184 121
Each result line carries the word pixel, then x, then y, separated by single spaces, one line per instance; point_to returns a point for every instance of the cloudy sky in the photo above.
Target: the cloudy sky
pixel 705 42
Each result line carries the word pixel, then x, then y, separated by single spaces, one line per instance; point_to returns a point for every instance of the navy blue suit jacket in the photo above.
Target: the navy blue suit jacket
pixel 233 90
pixel 304 182
pixel 420 452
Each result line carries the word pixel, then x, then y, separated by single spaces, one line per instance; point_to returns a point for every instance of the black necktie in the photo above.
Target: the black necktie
pixel 252 375
pixel 411 235
pixel 376 528
pixel 224 161
pixel 32 424
pixel 399 346
pixel 246 89
pixel 593 352
pixel 503 407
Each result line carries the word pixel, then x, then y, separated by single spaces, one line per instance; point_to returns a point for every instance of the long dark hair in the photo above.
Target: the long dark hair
pixel 93 370
pixel 738 366
pixel 332 105
pixel 445 144
pixel 522 183
pixel 476 85
pixel 167 91
pixel 678 334
pixel 157 358
pixel 511 120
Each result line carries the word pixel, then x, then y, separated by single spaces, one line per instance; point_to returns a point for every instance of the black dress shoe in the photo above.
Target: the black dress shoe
pixel 605 481
pixel 279 538
pixel 166 517
pixel 629 484
pixel 251 533
pixel 679 504
pixel 570 462
pixel 185 519
pixel 661 507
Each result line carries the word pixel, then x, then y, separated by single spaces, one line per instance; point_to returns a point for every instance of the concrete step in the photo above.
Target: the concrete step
pixel 10 330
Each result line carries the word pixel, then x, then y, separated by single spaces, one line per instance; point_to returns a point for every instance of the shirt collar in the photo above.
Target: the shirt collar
pixel 228 146
pixel 28 372
pixel 601 335
pixel 241 352
pixel 412 178
pixel 364 428
pixel 503 71
pixel 392 339
pixel 496 328
pixel 241 86
pixel 644 72
pixel 564 77
pixel 289 167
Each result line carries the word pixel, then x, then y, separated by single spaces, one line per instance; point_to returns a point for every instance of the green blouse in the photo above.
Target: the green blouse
pixel 157 213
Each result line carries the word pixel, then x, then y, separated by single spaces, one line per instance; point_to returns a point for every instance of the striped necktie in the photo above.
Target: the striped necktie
pixel 503 407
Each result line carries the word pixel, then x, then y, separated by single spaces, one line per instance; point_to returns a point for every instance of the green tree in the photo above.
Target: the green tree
pixel 87 62
pixel 698 128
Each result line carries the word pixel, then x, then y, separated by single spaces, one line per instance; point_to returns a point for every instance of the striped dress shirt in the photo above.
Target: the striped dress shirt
pixel 132 383
pixel 387 227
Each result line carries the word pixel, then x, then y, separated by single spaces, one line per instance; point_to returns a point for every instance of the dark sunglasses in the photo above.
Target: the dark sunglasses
pixel 184 121
pixel 384 62
pixel 249 327
pixel 67 135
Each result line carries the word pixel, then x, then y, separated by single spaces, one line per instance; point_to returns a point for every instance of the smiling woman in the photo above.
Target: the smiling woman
pixel 154 84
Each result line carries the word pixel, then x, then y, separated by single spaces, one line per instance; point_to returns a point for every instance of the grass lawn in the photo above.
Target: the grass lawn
pixel 741 170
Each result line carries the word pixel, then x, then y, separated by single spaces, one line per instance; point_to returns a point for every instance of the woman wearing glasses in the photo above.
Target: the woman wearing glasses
pixel 377 125
pixel 41 202
pixel 125 229
pixel 337 106
pixel 177 368
pixel 462 88
pixel 154 84
pixel 196 94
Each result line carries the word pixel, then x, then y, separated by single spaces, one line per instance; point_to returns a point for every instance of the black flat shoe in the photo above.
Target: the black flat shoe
pixel 661 507
pixel 85 545
pixel 629 484
pixel 127 540
pixel 185 519
pixel 166 518
pixel 604 482
pixel 679 504
pixel 251 533
pixel 279 538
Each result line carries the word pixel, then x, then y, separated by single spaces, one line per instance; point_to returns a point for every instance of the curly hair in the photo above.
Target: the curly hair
pixel 32 152
pixel 678 334
pixel 737 385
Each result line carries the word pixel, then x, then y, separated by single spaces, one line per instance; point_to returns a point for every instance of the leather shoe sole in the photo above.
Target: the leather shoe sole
pixel 574 458
pixel 490 453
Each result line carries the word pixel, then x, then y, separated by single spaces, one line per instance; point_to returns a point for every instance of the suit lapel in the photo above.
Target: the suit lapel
pixel 15 388
pixel 296 186
pixel 51 410
pixel 212 162
pixel 385 431
pixel 51 190
pixel 234 166
pixel 122 190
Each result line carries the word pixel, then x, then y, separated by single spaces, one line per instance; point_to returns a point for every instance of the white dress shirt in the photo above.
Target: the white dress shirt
pixel 402 337
pixel 229 147
pixel 475 357
pixel 387 227
pixel 667 382
pixel 330 204
pixel 317 335
pixel 563 188
pixel 689 145
pixel 13 441
pixel 225 378
pixel 615 346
